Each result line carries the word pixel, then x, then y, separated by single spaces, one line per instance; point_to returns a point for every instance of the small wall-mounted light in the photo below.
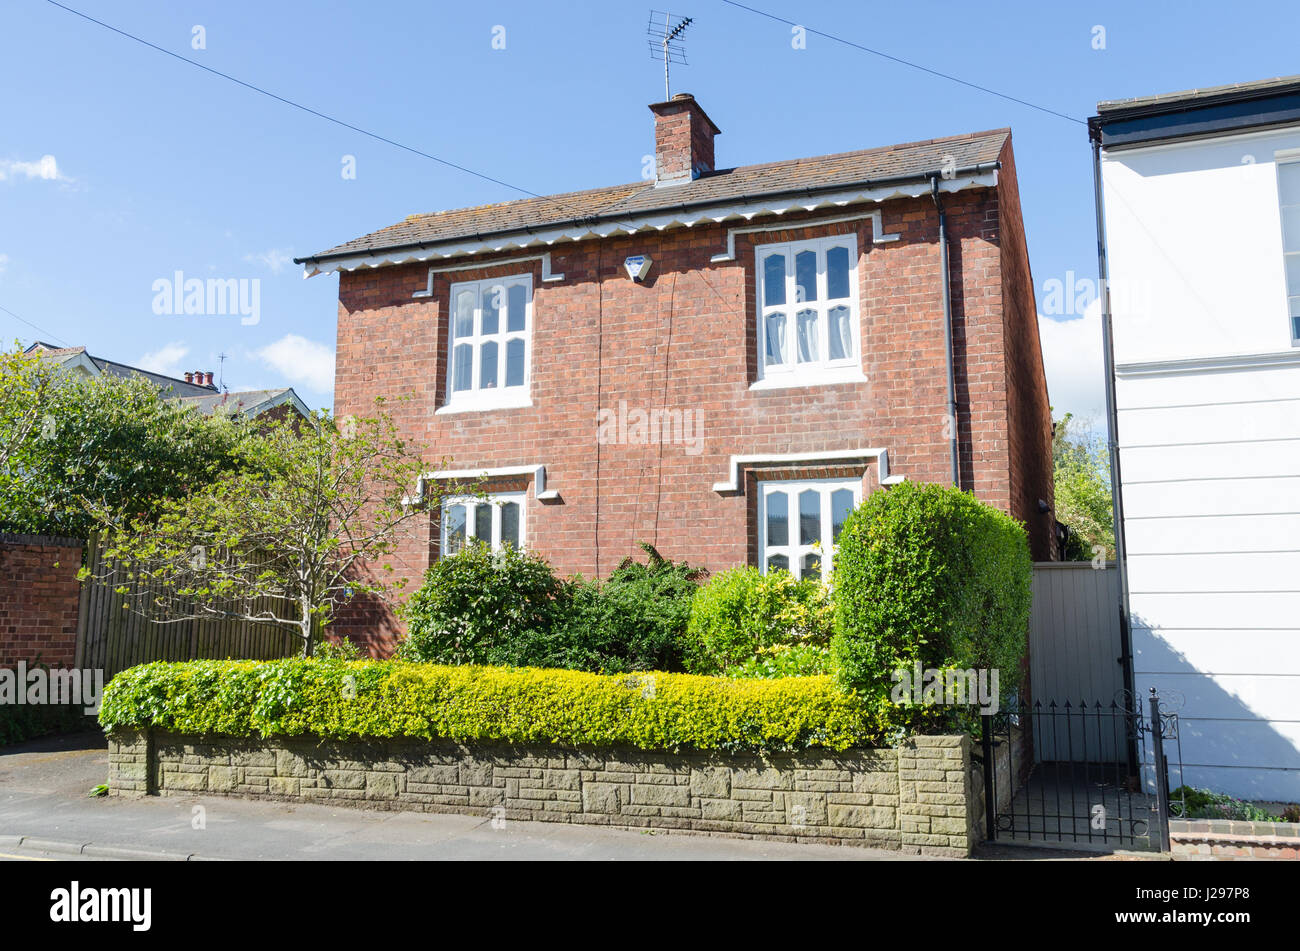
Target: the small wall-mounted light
pixel 637 266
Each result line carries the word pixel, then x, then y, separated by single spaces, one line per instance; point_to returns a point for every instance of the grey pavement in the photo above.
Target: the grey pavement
pixel 46 812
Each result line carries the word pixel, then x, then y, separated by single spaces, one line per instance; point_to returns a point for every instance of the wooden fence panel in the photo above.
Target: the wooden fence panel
pixel 112 638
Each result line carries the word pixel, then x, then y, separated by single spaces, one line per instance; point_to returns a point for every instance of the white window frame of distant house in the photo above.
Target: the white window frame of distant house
pixel 796 369
pixel 1290 243
pixel 794 549
pixel 478 396
pixel 492 504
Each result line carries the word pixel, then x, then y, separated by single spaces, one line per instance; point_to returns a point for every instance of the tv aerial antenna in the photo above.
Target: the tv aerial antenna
pixel 221 369
pixel 665 32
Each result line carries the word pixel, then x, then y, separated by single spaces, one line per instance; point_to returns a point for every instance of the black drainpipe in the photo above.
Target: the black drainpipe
pixel 947 325
pixel 1112 443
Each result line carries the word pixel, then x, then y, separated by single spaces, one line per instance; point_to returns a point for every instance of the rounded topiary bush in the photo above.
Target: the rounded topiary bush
pixel 929 573
pixel 742 613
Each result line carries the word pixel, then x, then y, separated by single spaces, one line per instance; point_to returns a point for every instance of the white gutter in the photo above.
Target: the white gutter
pixel 685 217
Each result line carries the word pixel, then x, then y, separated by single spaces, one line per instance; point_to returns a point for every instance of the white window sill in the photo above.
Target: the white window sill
pixel 825 377
pixel 480 405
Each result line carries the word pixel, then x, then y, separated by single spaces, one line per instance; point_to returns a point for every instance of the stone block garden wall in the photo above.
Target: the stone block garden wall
pixel 915 798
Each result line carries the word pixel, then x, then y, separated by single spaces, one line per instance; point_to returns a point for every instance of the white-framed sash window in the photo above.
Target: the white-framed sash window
pixel 808 327
pixel 1288 189
pixel 490 342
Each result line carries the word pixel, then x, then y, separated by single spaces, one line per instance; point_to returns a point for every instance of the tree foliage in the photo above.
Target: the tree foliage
pixel 309 520
pixel 1081 472
pixel 108 443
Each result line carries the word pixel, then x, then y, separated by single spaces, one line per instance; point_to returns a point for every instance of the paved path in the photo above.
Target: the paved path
pixel 45 812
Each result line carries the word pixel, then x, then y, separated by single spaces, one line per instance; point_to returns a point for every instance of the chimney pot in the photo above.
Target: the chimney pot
pixel 683 140
pixel 207 378
pixel 189 376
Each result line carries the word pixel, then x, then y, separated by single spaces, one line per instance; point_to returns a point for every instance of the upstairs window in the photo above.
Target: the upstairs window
pixel 497 521
pixel 1288 186
pixel 800 522
pixel 490 342
pixel 808 311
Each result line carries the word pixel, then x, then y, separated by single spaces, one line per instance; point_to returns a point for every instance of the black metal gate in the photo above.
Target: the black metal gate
pixel 1091 775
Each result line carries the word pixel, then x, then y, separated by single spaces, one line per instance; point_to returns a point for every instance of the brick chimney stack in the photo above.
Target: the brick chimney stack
pixel 683 140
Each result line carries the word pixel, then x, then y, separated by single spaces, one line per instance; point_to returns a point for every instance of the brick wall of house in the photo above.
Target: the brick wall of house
pixel 1029 416
pixel 39 598
pixel 686 339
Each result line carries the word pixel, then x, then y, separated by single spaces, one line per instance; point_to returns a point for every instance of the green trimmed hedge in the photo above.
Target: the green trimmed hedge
pixel 655 711
pixel 928 573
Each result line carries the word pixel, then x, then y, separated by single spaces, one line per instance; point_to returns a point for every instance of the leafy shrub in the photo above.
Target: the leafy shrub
pixel 635 620
pixel 1204 804
pixel 485 607
pixel 377 699
pixel 928 573
pixel 786 660
pixel 743 612
pixel 509 608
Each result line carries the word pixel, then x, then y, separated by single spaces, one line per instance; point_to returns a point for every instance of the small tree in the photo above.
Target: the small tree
pixel 1081 472
pixel 302 524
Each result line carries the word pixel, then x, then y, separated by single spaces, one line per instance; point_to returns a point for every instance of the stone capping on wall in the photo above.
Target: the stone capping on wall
pixel 1234 839
pixel 46 541
pixel 915 798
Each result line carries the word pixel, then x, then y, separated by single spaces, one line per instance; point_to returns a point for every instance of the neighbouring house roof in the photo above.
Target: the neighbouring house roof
pixel 644 204
pixel 1173 100
pixel 1212 110
pixel 95 366
pixel 206 399
pixel 250 403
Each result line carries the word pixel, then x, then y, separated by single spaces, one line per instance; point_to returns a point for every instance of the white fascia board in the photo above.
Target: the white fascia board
pixel 770 459
pixel 685 217
pixel 538 473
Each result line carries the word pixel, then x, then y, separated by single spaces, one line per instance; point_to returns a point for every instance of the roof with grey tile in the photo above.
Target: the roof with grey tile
pixel 910 161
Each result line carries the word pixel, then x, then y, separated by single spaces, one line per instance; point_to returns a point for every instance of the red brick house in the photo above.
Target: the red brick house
pixel 721 362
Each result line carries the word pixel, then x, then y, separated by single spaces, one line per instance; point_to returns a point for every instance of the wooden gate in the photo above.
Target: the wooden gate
pixel 1075 647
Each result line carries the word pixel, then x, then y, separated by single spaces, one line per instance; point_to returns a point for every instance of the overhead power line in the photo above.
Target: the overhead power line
pixel 296 105
pixel 905 62
pixel 39 330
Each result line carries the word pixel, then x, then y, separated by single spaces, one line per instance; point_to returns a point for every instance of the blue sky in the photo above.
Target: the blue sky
pixel 159 167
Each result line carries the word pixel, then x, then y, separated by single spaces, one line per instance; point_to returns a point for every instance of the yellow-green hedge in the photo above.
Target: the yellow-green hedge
pixel 653 711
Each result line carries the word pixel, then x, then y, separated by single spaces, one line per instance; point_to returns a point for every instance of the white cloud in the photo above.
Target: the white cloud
pixel 1072 357
pixel 165 360
pixel 46 168
pixel 275 259
pixel 301 361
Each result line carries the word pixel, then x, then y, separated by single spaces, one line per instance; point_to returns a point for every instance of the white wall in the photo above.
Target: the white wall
pixel 1195 239
pixel 1210 450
